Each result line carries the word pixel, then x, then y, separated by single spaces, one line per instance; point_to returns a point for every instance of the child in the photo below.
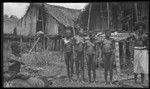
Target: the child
pixel 91 60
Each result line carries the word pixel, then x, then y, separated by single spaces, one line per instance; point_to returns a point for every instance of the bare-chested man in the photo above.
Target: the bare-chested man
pixel 90 48
pixel 79 49
pixel 108 46
pixel 141 48
pixel 68 53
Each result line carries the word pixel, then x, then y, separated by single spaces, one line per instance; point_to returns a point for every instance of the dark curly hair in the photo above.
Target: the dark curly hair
pixel 139 24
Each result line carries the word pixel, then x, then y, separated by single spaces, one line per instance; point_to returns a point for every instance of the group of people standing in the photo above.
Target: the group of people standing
pixel 81 50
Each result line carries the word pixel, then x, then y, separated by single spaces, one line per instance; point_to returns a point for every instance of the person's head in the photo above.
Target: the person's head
pixel 81 31
pixel 87 39
pixel 68 32
pixel 107 33
pixel 140 28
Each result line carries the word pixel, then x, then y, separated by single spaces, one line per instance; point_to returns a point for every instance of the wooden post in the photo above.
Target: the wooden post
pixel 44 43
pixel 124 53
pixel 50 44
pixel 61 44
pixel 43 29
pixel 89 16
pixel 102 18
pixel 21 43
pixel 57 44
pixel 117 58
pixel 53 43
pixel 34 41
pixel 136 11
pixel 8 46
pixel 47 43
pixel 108 14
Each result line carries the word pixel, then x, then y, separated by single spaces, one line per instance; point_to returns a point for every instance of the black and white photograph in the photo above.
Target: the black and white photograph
pixel 75 45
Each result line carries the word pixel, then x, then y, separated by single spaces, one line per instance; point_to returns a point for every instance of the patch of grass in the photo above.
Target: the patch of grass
pixel 41 59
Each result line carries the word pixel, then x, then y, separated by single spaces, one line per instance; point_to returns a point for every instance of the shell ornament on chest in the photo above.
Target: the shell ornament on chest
pixel 107 43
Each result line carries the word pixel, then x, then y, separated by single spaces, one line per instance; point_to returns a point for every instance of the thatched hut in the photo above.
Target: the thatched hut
pixel 50 19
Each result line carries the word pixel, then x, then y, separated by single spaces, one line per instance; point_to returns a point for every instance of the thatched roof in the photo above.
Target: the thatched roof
pixel 63 15
pixel 99 14
pixel 55 17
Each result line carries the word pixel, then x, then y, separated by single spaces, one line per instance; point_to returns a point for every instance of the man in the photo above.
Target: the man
pixel 14 63
pixel 140 51
pixel 91 60
pixel 68 53
pixel 79 49
pixel 108 46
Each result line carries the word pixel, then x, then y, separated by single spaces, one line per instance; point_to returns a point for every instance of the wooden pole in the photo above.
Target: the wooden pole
pixel 124 53
pixel 21 43
pixel 43 27
pixel 47 43
pixel 73 45
pixel 102 17
pixel 89 16
pixel 34 45
pixel 59 44
pixel 108 14
pixel 55 44
pixel 136 11
pixel 117 58
pixel 34 41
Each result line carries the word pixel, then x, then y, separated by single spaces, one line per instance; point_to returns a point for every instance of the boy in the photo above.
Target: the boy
pixel 108 46
pixel 91 60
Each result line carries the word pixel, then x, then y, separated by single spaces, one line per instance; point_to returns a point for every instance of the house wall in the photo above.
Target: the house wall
pixel 27 26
